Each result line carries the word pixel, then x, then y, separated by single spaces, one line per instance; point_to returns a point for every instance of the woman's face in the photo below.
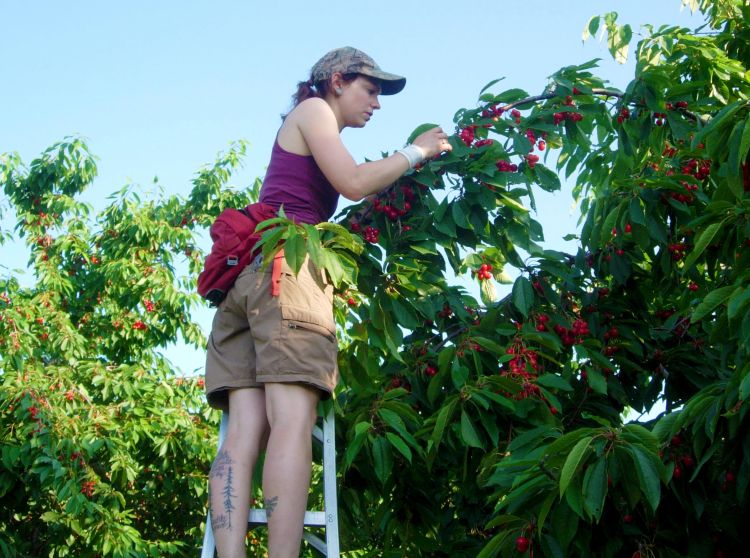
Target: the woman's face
pixel 358 101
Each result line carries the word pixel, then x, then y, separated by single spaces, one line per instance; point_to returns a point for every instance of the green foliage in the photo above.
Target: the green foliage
pixel 517 404
pixel 99 435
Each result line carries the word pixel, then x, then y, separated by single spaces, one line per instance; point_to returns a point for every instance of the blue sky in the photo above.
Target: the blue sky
pixel 158 88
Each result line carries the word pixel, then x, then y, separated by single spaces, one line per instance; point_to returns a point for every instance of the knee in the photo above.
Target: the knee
pixel 292 407
pixel 294 421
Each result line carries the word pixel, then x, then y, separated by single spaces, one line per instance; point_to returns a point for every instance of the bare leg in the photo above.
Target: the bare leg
pixel 231 473
pixel 291 412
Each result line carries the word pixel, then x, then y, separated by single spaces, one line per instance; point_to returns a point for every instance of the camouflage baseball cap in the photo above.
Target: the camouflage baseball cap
pixel 348 60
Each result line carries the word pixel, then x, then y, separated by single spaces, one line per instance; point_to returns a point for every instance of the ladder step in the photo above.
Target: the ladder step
pixel 312 518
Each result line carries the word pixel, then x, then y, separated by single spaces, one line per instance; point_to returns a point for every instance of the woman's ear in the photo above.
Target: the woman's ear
pixel 337 83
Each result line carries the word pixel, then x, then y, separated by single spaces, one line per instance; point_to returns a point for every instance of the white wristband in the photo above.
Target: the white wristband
pixel 414 155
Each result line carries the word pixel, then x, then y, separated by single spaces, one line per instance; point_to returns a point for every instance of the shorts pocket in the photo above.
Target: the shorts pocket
pixel 301 318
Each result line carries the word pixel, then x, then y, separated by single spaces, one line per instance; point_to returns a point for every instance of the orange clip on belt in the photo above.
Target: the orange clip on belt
pixel 276 274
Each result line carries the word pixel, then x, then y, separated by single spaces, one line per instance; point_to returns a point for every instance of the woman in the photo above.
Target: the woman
pixel 272 356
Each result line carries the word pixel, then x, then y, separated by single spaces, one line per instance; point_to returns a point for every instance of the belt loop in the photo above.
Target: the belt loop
pixel 276 273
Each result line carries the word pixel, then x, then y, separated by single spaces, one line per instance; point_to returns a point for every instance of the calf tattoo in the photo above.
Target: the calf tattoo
pixel 270 505
pixel 222 469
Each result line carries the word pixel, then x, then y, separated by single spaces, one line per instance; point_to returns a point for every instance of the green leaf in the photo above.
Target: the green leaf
pixel 490 84
pixel 512 203
pixel 712 300
pixel 554 381
pixel 294 252
pixel 404 314
pixel 510 95
pixel 738 301
pixel 523 295
pixel 489 345
pixel 702 242
pixel 595 488
pixel 459 216
pixel 353 447
pixel 445 414
pixel 459 374
pixel 717 122
pixel 564 524
pixel 745 387
pixel 648 474
pixel 572 463
pixel 664 427
pixel 544 511
pixel 399 444
pixel 468 433
pixel 313 245
pixel 637 215
pixel 487 292
pixel 566 441
pixel 392 419
pixel 392 334
pixel 591 28
pixel 637 434
pixel 618 41
pixel 50 517
pixel 383 458
pixel 548 180
pixel 596 380
pixel 610 222
pixel 492 548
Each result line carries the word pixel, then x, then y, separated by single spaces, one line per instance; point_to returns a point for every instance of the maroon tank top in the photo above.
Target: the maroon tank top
pixel 296 182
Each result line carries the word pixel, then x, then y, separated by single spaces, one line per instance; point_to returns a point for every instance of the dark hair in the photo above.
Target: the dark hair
pixel 308 90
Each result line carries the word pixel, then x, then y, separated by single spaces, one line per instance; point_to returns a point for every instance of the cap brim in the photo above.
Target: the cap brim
pixel 390 84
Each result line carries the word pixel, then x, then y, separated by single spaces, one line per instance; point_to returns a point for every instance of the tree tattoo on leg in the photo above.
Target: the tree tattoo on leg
pixel 270 504
pixel 222 469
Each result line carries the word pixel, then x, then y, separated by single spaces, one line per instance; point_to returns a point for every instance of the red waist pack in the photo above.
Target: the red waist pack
pixel 234 237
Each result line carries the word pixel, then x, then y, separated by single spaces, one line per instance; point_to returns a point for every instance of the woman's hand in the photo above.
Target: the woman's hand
pixel 433 142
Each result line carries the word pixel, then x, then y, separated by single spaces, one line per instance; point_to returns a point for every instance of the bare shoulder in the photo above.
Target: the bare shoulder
pixel 306 119
pixel 311 110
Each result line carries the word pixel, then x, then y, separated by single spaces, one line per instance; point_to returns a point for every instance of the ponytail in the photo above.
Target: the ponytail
pixel 309 89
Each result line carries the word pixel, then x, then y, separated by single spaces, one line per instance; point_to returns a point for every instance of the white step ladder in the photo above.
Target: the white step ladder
pixel 327 518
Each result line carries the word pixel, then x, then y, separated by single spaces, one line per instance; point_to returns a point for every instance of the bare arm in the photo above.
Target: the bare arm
pixel 317 124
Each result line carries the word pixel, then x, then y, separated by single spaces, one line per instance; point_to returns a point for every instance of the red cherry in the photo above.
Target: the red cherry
pixel 522 544
pixel 627 518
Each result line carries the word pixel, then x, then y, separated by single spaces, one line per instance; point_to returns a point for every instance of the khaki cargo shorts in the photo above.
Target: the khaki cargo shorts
pixel 258 338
